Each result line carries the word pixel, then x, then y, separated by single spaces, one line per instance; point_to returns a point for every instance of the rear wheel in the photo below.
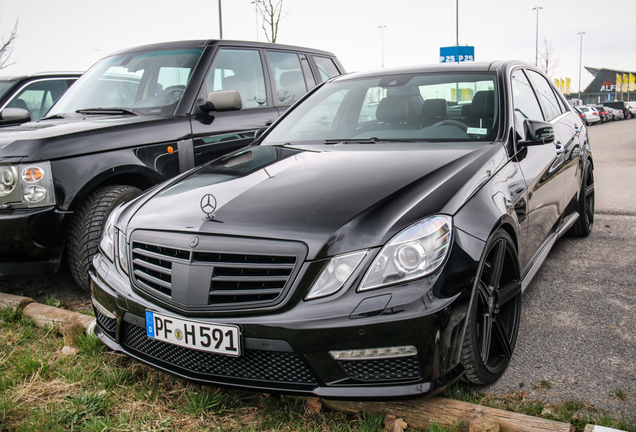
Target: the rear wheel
pixel 583 226
pixel 493 321
pixel 87 224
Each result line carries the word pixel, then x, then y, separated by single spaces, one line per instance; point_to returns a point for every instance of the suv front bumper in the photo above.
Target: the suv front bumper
pixel 31 241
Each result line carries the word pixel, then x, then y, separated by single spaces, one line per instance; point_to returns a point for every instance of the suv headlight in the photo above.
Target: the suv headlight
pixel 415 252
pixel 29 185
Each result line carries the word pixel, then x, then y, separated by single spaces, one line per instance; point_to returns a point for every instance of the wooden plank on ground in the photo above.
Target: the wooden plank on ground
pixel 14 302
pixel 425 412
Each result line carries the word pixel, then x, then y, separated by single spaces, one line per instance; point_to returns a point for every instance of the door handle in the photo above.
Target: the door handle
pixel 559 148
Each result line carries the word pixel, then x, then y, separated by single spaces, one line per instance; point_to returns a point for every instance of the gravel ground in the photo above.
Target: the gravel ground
pixel 578 322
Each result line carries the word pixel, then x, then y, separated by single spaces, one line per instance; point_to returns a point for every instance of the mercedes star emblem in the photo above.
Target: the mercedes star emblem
pixel 208 205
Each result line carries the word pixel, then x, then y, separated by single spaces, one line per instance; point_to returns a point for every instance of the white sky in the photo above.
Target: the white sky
pixel 73 34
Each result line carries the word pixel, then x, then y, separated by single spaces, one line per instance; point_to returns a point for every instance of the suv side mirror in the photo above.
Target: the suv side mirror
pixel 537 133
pixel 223 100
pixel 14 116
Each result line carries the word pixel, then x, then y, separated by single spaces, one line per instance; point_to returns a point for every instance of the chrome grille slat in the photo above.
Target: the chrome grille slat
pixel 249 279
pixel 149 278
pixel 151 266
pixel 244 292
pixel 157 256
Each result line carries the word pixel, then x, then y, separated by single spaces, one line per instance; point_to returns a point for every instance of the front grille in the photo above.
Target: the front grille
pixel 270 366
pixel 216 271
pixel 401 368
pixel 108 325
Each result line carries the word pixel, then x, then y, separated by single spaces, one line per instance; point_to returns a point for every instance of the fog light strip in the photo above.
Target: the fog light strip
pixel 374 353
pixel 102 309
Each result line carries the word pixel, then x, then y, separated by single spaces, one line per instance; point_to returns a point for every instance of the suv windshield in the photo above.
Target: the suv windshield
pixel 140 82
pixel 413 107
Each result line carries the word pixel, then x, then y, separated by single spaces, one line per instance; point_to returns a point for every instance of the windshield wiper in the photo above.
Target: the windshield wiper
pixel 111 111
pixel 372 140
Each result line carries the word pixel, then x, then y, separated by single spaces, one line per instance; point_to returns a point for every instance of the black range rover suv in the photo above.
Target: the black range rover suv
pixel 136 118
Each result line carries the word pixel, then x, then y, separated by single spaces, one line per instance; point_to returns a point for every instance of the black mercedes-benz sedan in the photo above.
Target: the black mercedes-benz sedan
pixel 373 243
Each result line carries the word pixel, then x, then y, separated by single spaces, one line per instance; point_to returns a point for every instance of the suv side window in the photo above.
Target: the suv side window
pixel 288 77
pixel 242 70
pixel 326 67
pixel 546 94
pixel 39 96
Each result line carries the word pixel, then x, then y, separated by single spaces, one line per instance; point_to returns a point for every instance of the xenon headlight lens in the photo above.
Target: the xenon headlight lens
pixel 8 179
pixel 415 252
pixel 122 253
pixel 335 274
pixel 109 235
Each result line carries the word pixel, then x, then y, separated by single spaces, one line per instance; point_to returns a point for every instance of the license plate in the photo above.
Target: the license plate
pixel 214 338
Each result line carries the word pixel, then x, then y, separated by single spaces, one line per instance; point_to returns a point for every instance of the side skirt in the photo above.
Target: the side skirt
pixel 545 250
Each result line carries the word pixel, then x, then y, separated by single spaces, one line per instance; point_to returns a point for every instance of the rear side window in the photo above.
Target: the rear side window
pixel 240 70
pixel 288 77
pixel 326 67
pixel 546 93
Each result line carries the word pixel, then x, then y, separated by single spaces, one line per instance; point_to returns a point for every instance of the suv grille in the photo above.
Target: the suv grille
pixel 273 366
pixel 217 272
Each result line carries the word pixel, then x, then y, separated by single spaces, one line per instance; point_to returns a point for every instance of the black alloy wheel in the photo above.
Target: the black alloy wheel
pixel 493 322
pixel 583 226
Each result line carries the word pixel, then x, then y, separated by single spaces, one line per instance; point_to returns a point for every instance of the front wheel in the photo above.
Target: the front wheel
pixel 493 320
pixel 87 224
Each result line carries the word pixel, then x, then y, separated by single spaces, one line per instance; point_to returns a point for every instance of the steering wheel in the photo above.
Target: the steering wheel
pixel 455 123
pixel 174 93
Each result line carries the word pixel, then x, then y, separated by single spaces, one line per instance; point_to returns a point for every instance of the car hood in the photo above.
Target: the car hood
pixel 339 199
pixel 72 136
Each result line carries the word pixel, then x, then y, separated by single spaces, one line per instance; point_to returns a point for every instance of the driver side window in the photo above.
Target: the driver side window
pixel 526 104
pixel 242 70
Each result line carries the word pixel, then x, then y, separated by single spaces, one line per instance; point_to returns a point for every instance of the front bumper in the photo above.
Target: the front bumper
pixel 287 350
pixel 31 241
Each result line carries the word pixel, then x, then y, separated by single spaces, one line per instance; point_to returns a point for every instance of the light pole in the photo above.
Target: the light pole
pixel 220 22
pixel 536 55
pixel 580 64
pixel 382 27
pixel 255 3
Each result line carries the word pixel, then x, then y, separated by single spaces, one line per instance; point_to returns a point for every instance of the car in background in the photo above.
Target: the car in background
pixel 135 119
pixel 632 109
pixel 617 114
pixel 591 115
pixel 619 105
pixel 28 97
pixel 351 251
pixel 603 112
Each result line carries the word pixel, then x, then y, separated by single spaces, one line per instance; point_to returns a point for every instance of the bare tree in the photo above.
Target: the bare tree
pixel 548 61
pixel 6 47
pixel 271 12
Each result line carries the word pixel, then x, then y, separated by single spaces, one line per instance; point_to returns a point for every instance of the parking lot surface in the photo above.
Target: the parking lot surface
pixel 578 328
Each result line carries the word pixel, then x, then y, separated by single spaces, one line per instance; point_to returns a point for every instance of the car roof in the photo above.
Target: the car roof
pixel 41 75
pixel 201 44
pixel 442 68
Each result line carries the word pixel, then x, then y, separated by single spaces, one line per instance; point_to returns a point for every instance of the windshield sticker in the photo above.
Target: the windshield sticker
pixel 477 131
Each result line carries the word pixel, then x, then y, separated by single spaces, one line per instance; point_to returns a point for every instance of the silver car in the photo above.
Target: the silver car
pixel 618 114
pixel 591 114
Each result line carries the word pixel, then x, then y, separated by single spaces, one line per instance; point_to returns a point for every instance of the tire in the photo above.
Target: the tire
pixel 87 224
pixel 494 314
pixel 583 226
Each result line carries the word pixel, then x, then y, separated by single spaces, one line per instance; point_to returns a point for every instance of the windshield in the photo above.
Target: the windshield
pixel 413 107
pixel 140 82
pixel 5 86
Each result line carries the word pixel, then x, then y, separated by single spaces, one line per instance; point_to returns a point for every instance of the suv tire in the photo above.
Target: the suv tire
pixel 87 224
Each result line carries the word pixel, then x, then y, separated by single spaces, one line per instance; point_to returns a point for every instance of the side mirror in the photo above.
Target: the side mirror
pixel 14 116
pixel 537 133
pixel 223 100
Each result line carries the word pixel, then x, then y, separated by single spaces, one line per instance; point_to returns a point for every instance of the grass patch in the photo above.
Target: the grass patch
pixel 98 390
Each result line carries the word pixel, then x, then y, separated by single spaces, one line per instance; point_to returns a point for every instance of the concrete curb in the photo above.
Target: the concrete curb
pixel 46 316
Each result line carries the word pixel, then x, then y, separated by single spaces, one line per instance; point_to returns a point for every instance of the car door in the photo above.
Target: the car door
pixel 217 133
pixel 568 131
pixel 542 168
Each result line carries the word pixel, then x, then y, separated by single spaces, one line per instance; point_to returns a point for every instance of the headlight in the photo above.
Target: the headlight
pixel 335 274
pixel 417 251
pixel 29 185
pixel 8 179
pixel 122 253
pixel 109 235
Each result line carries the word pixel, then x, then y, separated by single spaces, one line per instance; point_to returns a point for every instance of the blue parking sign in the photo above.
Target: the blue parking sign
pixel 456 54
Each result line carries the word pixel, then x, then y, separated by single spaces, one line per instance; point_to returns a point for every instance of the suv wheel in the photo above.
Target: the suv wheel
pixel 87 224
